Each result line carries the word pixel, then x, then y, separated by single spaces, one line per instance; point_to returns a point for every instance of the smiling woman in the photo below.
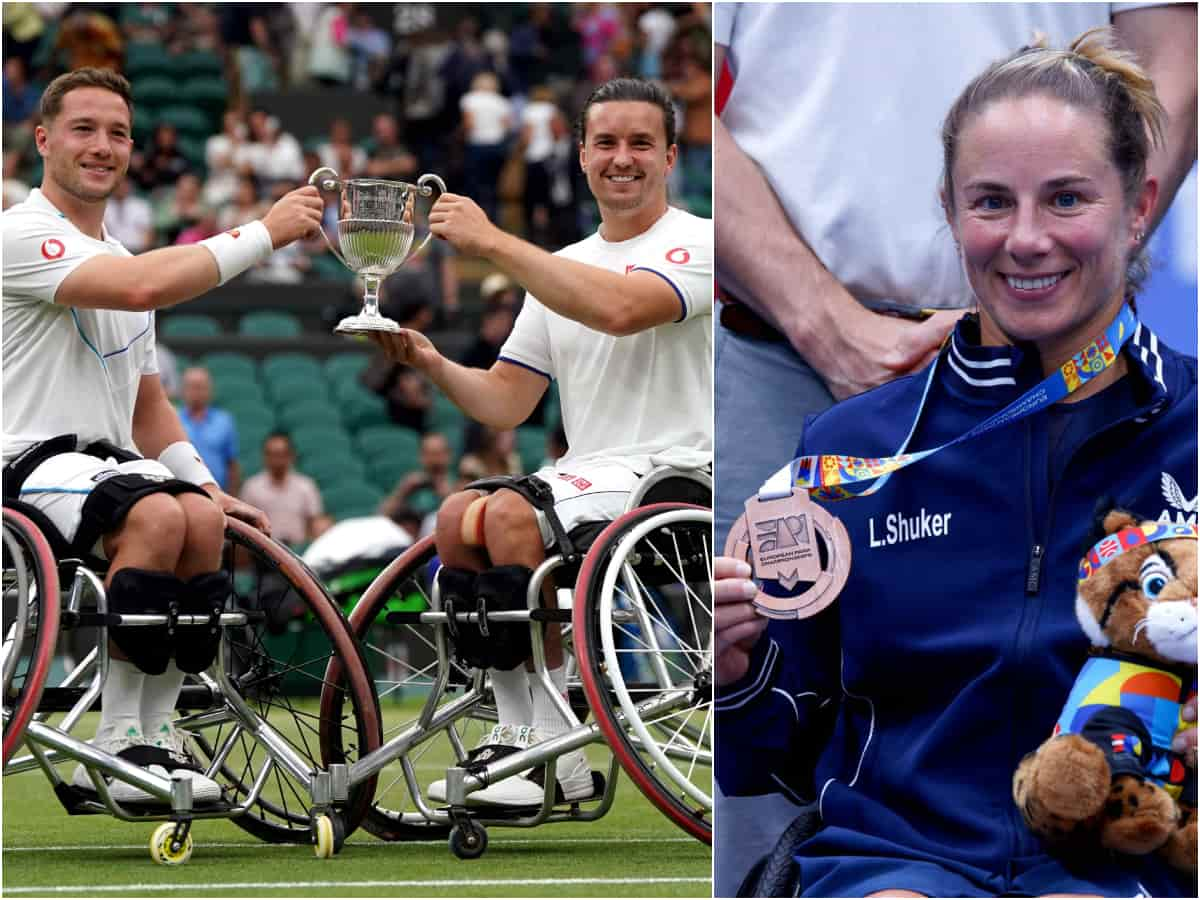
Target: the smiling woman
pixel 954 643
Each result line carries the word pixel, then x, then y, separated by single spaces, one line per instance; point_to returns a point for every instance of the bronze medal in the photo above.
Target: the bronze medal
pixel 777 538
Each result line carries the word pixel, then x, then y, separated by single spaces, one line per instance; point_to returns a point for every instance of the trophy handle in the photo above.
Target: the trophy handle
pixel 424 183
pixel 326 179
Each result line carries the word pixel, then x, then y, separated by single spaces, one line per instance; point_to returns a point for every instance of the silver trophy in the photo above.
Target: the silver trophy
pixel 375 232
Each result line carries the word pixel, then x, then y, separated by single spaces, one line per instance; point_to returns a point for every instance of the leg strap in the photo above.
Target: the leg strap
pixel 196 645
pixel 500 589
pixel 541 497
pixel 138 592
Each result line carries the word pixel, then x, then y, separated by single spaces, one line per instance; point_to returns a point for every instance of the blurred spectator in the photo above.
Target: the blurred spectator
pixel 529 48
pixel 23 30
pixel 200 230
pixel 541 122
pixel 246 28
pixel 290 499
pixel 388 157
pixel 287 265
pixel 433 477
pixel 498 290
pixel 602 31
pixel 162 162
pixel 466 59
pixel 168 368
pixel 487 452
pixel 20 97
pixel 494 329
pixel 243 207
pixel 655 28
pixel 329 60
pixel 556 444
pixel 428 281
pixel 211 430
pixel 340 153
pixel 221 155
pixel 130 219
pixel 181 208
pixel 147 23
pixel 370 46
pixel 486 120
pixel 273 154
pixel 14 189
pixel 196 28
pixel 89 38
pixel 687 66
pixel 405 390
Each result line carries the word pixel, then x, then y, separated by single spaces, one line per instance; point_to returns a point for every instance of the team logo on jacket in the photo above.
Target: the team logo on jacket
pixel 1180 510
pixel 53 249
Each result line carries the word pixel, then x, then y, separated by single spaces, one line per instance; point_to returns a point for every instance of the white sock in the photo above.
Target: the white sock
pixel 120 699
pixel 546 717
pixel 512 696
pixel 159 694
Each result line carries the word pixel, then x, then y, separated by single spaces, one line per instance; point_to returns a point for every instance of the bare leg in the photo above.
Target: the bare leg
pixel 203 538
pixel 448 534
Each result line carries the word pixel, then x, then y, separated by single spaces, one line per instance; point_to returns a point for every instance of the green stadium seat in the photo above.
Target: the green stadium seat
pixel 348 365
pixel 188 121
pixel 332 468
pixel 444 416
pixel 270 324
pixel 193 150
pixel 423 502
pixel 144 58
pixel 386 471
pixel 179 325
pixel 302 412
pixel 349 499
pixel 207 92
pixel 313 440
pixel 199 63
pixel 388 441
pixel 230 388
pixel 154 91
pixel 285 392
pixel 287 365
pixel 531 446
pixel 360 408
pixel 230 362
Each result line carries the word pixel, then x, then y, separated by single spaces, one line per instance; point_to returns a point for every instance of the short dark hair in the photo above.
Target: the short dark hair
pixel 634 89
pixel 52 97
pixel 278 434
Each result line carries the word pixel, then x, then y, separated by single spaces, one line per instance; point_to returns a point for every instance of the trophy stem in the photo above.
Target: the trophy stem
pixel 371 295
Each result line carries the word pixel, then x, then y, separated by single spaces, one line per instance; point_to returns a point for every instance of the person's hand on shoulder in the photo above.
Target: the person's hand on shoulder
pixel 737 624
pixel 295 215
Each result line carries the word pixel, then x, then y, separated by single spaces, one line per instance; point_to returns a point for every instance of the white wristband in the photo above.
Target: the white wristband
pixel 185 464
pixel 239 248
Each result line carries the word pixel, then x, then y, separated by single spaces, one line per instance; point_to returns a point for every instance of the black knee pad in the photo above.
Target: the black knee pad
pixel 196 645
pixel 137 592
pixel 499 589
pixel 458 595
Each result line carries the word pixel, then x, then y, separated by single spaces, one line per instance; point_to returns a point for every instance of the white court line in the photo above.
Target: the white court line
pixel 276 885
pixel 360 845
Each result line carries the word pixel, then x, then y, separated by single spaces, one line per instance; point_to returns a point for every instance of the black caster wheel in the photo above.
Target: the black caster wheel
pixel 468 841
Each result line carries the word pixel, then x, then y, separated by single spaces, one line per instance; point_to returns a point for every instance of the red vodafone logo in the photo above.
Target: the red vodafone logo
pixel 53 249
pixel 679 256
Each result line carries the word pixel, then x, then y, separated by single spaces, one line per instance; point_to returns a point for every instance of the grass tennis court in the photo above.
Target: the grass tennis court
pixel 632 851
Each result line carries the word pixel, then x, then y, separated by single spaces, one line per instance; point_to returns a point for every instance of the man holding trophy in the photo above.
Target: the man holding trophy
pixel 623 320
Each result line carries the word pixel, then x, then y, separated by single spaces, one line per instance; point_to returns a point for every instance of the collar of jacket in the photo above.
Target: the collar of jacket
pixel 995 376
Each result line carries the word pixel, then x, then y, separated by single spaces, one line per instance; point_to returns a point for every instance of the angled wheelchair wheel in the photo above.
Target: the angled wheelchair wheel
pixel 277 665
pixel 409 662
pixel 643 640
pixel 30 623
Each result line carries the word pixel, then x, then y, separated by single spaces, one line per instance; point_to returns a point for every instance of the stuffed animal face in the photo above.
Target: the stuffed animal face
pixel 1137 594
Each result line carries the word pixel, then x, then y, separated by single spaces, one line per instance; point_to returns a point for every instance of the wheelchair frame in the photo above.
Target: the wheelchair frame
pixel 467 825
pixel 325 787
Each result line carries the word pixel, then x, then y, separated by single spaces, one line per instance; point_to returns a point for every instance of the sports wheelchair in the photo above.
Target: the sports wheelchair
pixel 637 641
pixel 252 718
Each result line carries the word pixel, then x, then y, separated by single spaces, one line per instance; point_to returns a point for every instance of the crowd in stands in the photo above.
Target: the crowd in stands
pixel 485 95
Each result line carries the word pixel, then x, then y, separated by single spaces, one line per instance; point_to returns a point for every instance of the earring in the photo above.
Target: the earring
pixel 1139 236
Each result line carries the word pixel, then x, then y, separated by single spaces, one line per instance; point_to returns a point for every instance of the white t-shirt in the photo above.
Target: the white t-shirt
pixel 641 395
pixel 490 115
pixel 66 370
pixel 538 116
pixel 841 105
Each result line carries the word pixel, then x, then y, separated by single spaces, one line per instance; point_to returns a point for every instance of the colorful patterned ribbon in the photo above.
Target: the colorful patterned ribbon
pixel 1113 545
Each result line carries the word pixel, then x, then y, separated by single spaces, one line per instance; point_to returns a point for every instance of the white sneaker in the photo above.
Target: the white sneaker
pixel 573 782
pixel 173 742
pixel 157 760
pixel 501 741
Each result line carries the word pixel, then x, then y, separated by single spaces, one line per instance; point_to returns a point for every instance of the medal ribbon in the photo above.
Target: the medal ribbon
pixel 826 476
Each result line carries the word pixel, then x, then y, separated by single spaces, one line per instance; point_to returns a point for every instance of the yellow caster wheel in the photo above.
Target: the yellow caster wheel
pixel 327 836
pixel 166 850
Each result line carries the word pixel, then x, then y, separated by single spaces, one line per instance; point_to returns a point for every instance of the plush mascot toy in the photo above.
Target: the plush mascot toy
pixel 1108 774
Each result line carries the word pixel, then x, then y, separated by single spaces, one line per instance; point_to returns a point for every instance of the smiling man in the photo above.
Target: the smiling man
pixel 90 439
pixel 622 320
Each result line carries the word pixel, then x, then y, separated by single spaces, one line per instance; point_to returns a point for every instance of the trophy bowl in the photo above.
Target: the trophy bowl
pixel 375 234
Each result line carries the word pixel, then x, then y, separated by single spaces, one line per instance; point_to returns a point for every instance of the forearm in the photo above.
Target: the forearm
pixel 603 300
pixel 156 426
pixel 480 393
pixel 766 264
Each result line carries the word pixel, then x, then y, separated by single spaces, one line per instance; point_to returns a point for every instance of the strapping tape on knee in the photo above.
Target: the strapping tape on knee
pixel 196 645
pixel 139 592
